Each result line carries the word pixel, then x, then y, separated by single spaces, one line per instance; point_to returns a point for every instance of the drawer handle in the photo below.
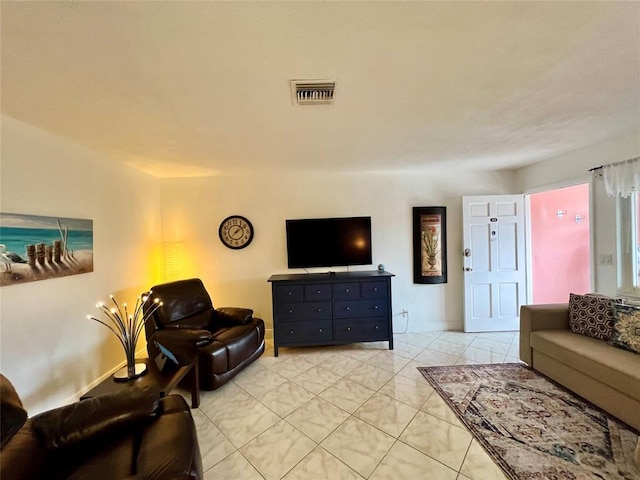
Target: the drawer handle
pixel 319 309
pixel 348 308
pixel 291 310
pixel 348 329
pixel 375 289
pixel 291 331
pixel 377 327
pixel 320 330
pixel 375 307
pixel 290 292
pixel 346 291
pixel 318 292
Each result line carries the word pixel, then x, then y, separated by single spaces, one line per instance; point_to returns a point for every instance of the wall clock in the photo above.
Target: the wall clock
pixel 236 232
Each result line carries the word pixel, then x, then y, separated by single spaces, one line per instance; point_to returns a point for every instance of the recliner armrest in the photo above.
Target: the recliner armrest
pixel 95 417
pixel 234 314
pixel 181 344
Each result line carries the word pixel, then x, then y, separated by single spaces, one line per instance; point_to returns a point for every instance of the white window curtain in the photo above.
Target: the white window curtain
pixel 623 178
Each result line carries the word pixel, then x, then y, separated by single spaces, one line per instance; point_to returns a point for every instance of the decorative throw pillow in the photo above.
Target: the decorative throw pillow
pixel 591 315
pixel 626 327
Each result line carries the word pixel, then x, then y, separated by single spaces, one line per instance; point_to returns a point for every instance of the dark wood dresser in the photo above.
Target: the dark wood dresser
pixel 331 308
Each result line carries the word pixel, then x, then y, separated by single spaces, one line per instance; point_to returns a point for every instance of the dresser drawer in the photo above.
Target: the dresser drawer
pixel 360 308
pixel 289 293
pixel 317 292
pixel 374 289
pixel 358 329
pixel 305 332
pixel 344 291
pixel 307 310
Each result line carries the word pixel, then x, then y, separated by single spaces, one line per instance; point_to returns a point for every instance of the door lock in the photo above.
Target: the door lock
pixel 467 252
pixel 468 269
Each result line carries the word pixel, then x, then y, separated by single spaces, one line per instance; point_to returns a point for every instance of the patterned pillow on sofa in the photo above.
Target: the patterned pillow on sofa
pixel 626 327
pixel 591 315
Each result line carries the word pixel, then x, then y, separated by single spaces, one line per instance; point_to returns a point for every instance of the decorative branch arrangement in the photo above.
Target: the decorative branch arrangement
pixel 127 327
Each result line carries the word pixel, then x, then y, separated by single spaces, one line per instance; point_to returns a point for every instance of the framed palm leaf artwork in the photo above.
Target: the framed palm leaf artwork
pixel 429 244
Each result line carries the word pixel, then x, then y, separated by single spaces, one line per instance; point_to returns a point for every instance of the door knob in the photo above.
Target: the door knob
pixel 467 269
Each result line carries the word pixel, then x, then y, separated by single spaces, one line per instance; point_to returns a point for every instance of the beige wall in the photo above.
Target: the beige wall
pixel 193 209
pixel 574 167
pixel 49 350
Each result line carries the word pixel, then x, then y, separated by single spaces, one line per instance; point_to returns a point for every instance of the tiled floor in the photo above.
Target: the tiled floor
pixel 347 412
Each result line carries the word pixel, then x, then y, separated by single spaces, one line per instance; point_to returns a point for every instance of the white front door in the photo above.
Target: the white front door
pixel 494 262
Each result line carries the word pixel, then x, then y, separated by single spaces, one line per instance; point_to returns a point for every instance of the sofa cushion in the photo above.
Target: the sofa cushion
pixel 613 366
pixel 591 315
pixel 626 327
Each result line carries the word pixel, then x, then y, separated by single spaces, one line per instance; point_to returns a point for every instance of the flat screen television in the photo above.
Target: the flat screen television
pixel 328 242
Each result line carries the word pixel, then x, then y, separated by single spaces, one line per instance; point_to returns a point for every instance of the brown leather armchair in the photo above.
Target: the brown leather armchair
pixel 130 435
pixel 187 326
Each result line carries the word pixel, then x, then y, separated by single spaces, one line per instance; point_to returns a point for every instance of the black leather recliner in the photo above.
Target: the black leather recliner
pixel 132 434
pixel 186 326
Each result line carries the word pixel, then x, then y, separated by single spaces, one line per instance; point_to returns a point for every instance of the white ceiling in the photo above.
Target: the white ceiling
pixel 202 88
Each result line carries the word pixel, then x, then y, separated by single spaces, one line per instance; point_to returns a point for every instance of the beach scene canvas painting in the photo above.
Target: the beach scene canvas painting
pixel 38 248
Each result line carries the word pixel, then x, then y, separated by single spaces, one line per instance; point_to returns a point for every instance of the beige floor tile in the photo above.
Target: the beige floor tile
pixel 340 364
pixel 407 390
pixel 359 445
pixel 433 358
pixel 437 407
pixel 316 379
pixel 243 424
pixel 292 366
pixel 317 418
pixel 370 376
pixel 406 349
pixel 491 345
pixel 389 360
pixel 404 462
pixel 360 354
pixel 386 413
pixel 217 404
pixel 234 466
pixel 437 438
pixel 347 395
pixel 345 398
pixel 411 371
pixel 478 465
pixel 418 339
pixel 260 382
pixel 214 446
pixel 277 450
pixel 460 338
pixel 448 347
pixel 321 465
pixel 285 398
pixel 479 355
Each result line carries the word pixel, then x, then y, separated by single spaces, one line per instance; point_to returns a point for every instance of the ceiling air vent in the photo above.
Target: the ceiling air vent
pixel 313 92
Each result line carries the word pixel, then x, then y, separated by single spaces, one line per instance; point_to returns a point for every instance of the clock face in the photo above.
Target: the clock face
pixel 236 232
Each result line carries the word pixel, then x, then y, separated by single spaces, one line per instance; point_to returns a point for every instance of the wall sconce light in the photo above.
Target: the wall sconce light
pixel 561 213
pixel 173 261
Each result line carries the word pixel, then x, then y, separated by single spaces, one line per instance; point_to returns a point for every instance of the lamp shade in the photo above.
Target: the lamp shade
pixel 173 261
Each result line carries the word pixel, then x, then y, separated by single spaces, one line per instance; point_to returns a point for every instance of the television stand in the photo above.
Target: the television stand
pixel 312 309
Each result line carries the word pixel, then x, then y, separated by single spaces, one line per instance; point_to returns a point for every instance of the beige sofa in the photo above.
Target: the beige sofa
pixel 607 376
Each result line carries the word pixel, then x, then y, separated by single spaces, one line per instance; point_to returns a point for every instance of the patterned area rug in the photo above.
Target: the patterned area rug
pixel 532 427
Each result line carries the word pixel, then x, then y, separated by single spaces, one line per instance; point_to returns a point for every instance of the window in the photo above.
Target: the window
pixel 629 245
